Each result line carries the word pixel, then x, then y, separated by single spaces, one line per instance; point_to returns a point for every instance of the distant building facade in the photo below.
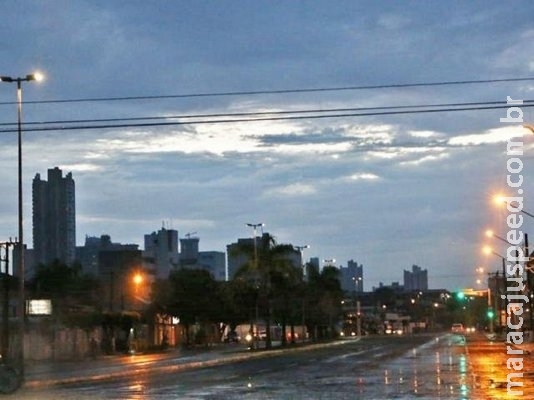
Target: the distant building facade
pixel 236 258
pixel 212 261
pixel 416 279
pixel 54 218
pixel 161 250
pixel 352 277
pixel 117 267
pixel 88 254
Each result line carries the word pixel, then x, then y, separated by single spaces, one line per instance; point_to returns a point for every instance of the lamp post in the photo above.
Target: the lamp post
pixel 300 249
pixel 528 267
pixel 488 250
pixel 21 309
pixel 254 227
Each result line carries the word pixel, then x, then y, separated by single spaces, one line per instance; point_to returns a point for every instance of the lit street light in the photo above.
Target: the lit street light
pixel 530 127
pixel 254 227
pixel 330 262
pixel 31 77
pixel 501 200
pixel 137 280
pixel 491 234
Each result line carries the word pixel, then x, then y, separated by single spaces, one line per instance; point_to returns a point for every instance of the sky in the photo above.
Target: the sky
pixel 385 190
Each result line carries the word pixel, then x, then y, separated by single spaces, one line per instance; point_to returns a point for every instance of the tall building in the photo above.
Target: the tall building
pixel 54 218
pixel 117 267
pixel 161 250
pixel 212 261
pixel 416 279
pixel 189 251
pixel 87 255
pixel 352 277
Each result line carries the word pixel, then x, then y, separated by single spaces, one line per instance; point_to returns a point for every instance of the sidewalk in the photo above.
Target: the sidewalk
pixel 47 373
pixel 51 373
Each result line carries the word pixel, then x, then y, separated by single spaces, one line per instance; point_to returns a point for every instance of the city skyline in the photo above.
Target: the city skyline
pixel 404 184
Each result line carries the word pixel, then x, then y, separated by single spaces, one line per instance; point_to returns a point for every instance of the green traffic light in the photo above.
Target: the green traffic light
pixel 460 295
pixel 490 314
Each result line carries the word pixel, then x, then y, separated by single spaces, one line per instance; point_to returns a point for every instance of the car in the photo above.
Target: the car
pixel 457 328
pixel 232 337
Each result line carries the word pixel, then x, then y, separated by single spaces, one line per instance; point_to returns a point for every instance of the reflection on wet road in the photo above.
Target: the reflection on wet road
pixel 418 367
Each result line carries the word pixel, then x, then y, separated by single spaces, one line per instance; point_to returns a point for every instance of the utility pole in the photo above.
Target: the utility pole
pixel 4 344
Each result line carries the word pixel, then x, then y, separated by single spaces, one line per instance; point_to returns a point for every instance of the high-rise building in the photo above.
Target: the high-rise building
pixel 189 251
pixel 161 250
pixel 212 261
pixel 54 218
pixel 352 277
pixel 416 279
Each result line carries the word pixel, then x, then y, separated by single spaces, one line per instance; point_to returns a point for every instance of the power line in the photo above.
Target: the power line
pixel 262 113
pixel 526 103
pixel 281 91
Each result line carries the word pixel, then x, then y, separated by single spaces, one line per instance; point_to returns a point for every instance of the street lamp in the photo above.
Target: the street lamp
pixel 500 200
pixel 300 249
pixel 254 227
pixel 488 250
pixel 330 262
pixel 31 77
pixel 491 234
pixel 137 280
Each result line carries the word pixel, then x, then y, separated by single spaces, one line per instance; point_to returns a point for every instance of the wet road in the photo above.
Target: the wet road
pixel 373 368
pixel 488 366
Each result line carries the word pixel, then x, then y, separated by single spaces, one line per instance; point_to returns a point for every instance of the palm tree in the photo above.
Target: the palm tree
pixel 268 268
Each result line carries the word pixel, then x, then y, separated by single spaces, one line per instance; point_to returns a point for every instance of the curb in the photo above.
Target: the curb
pixel 223 359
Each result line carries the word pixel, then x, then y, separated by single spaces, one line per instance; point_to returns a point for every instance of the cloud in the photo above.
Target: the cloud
pixel 496 135
pixel 292 190
pixel 363 176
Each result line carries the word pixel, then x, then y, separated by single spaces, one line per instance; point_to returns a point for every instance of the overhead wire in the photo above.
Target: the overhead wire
pixel 280 91
pixel 278 116
pixel 262 113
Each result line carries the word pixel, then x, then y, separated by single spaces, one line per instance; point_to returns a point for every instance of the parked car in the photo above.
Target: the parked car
pixel 457 328
pixel 232 337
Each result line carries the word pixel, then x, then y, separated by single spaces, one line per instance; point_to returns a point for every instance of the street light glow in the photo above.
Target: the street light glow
pixel 499 199
pixel 138 279
pixel 38 76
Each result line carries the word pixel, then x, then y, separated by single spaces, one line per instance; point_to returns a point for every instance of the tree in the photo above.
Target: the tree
pixel 69 289
pixel 324 301
pixel 192 295
pixel 268 268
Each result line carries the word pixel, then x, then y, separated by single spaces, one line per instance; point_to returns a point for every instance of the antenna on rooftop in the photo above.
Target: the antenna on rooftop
pixel 189 234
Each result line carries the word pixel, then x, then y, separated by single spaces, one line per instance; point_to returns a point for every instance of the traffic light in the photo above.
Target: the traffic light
pixel 460 295
pixel 490 313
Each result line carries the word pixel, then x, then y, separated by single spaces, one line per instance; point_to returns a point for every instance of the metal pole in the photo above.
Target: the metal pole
pixel 5 305
pixel 22 305
pixel 489 308
pixel 504 303
pixel 358 320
